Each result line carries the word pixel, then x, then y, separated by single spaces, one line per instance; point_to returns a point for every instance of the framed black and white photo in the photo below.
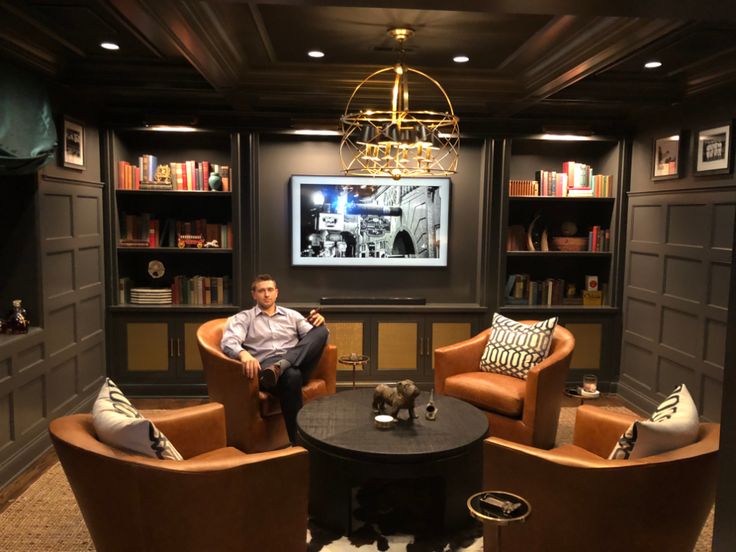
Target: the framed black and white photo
pixel 666 157
pixel 73 144
pixel 713 151
pixel 361 221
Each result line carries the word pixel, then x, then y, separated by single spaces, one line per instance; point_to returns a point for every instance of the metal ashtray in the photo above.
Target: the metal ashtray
pixel 384 421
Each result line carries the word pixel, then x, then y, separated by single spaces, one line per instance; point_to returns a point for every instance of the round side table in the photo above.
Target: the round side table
pixel 575 393
pixel 353 360
pixel 498 508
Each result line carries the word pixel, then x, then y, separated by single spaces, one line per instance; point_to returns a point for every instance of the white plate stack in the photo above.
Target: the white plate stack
pixel 150 296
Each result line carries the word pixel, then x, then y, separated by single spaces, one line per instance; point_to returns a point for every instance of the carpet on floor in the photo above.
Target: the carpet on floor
pixel 45 518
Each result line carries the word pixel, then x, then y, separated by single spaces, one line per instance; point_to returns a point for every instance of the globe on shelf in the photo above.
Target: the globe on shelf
pixel 568 228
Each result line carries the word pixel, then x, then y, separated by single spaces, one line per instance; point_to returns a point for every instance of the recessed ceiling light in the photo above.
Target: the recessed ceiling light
pixel 565 137
pixel 109 46
pixel 316 54
pixel 653 64
pixel 461 59
pixel 316 132
pixel 172 128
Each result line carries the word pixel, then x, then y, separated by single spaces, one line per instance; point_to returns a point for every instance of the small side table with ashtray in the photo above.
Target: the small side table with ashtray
pixel 577 392
pixel 498 508
pixel 353 360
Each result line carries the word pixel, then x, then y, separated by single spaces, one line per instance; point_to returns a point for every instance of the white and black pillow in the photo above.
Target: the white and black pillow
pixel 119 424
pixel 514 348
pixel 673 424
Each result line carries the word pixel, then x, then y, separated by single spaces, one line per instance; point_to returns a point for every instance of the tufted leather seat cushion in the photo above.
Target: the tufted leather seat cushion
pixel 489 391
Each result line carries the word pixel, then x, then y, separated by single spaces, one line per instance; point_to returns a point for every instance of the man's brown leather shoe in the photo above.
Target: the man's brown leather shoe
pixel 269 376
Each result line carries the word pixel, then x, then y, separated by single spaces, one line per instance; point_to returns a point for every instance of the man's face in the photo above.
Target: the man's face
pixel 265 294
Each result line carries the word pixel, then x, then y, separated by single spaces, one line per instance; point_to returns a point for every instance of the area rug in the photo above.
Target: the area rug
pixel 46 518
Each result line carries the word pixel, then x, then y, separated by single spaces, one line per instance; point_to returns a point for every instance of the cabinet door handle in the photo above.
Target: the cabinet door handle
pixel 429 347
pixel 178 347
pixel 171 348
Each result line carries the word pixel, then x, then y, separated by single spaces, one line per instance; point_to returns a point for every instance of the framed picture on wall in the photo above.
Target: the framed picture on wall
pixel 365 221
pixel 73 144
pixel 666 157
pixel 713 150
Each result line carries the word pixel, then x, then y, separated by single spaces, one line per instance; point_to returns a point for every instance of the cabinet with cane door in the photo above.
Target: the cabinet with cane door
pixel 399 344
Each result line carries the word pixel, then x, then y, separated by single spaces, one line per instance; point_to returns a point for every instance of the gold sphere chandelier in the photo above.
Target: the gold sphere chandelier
pixel 400 142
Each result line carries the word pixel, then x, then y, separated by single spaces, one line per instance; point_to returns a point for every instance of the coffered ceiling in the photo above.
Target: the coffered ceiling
pixel 533 63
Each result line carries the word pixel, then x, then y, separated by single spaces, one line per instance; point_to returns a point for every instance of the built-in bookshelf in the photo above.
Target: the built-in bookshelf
pixel 172 217
pixel 559 224
pixel 173 235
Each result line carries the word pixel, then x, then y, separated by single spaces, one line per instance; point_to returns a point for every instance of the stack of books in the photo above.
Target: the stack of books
pixel 150 296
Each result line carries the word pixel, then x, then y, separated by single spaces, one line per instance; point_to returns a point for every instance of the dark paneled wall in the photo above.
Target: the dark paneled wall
pixel 724 534
pixel 678 264
pixel 56 369
pixel 281 157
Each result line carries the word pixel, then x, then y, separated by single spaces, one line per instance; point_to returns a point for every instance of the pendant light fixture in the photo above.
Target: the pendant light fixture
pixel 383 136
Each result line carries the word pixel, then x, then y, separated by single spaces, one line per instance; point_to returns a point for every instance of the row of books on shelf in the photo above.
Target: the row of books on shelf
pixel 184 290
pixel 186 175
pixel 522 290
pixel 575 180
pixel 145 231
pixel 599 240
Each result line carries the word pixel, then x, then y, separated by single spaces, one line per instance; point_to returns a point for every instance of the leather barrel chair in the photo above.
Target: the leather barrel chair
pixel 582 501
pixel 217 498
pixel 524 411
pixel 254 420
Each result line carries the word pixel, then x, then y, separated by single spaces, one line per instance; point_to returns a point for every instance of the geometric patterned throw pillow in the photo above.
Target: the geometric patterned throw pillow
pixel 119 424
pixel 514 348
pixel 674 424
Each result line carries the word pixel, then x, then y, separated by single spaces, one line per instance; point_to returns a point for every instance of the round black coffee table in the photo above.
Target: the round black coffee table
pixel 346 449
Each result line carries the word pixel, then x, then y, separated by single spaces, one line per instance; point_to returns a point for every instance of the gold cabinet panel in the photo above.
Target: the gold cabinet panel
pixel 348 338
pixel 588 340
pixel 447 333
pixel 397 346
pixel 148 346
pixel 192 360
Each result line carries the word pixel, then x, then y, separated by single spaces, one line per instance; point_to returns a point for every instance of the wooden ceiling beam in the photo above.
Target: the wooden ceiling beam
pixel 592 47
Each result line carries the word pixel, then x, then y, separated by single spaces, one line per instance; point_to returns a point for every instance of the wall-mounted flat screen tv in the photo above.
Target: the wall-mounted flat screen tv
pixel 364 221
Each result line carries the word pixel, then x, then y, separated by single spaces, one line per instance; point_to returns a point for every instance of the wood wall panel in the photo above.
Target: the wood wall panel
pixel 61 265
pixel 678 265
pixel 89 267
pixel 57 216
pixel 6 426
pixel 56 368
pixel 61 383
pixel 4 369
pixel 29 358
pixel 91 367
pixel 90 317
pixel 643 268
pixel 64 320
pixel 28 407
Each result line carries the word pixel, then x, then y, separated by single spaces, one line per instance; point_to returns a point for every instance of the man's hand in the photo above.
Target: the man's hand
pixel 251 366
pixel 315 318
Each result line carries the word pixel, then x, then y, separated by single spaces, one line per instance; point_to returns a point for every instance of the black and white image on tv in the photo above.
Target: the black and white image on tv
pixel 379 221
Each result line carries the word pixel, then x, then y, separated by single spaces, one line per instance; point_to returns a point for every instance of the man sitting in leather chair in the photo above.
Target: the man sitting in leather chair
pixel 278 344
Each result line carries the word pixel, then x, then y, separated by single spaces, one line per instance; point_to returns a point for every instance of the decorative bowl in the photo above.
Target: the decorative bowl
pixel 564 243
pixel 384 421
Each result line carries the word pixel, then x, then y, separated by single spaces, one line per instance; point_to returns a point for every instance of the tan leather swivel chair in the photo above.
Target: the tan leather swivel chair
pixel 524 411
pixel 218 498
pixel 254 420
pixel 581 501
